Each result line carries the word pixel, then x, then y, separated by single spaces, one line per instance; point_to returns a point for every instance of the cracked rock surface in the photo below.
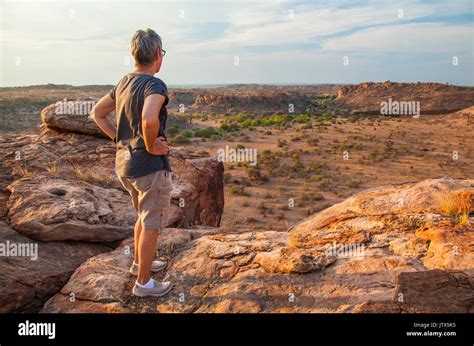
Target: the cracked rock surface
pixel 389 249
pixel 59 194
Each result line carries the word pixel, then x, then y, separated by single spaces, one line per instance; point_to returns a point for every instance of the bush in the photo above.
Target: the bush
pixel 296 139
pixel 353 184
pixel 254 174
pixel 187 134
pixel 227 177
pixel 373 154
pixel 173 130
pixel 239 191
pixel 179 140
pixel 206 133
pixel 302 118
pixel 230 127
pixel 281 143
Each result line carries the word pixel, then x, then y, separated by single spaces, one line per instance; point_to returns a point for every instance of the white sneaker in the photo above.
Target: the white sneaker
pixel 159 289
pixel 156 266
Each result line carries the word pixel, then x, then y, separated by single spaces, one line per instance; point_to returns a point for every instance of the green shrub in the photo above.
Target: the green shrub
pixel 172 130
pixel 187 134
pixel 302 118
pixel 206 133
pixel 230 127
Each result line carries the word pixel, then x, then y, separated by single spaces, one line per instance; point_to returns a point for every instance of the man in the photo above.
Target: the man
pixel 142 165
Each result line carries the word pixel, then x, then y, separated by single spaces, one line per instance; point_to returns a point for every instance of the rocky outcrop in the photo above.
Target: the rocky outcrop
pixel 32 271
pixel 102 283
pixel 390 249
pixel 422 292
pixel 434 98
pixel 198 192
pixel 427 198
pixel 54 209
pixel 237 99
pixel 467 113
pixel 72 116
pixel 198 187
pixel 59 193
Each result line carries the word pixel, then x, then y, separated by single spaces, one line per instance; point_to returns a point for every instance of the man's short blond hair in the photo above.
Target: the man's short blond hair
pixel 145 44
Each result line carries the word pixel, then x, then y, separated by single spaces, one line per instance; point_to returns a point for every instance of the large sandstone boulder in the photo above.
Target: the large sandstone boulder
pixel 53 209
pixel 72 116
pixel 408 218
pixel 422 292
pixel 102 283
pixel 26 282
pixel 61 185
pixel 383 250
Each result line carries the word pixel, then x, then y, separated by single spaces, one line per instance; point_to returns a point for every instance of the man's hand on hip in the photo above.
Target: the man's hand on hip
pixel 160 147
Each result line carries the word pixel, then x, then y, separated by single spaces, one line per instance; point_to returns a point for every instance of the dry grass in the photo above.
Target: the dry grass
pixel 23 170
pixel 455 205
pixel 91 177
pixel 53 170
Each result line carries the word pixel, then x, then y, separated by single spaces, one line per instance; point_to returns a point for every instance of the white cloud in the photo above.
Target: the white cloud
pixel 267 24
pixel 407 38
pixel 90 46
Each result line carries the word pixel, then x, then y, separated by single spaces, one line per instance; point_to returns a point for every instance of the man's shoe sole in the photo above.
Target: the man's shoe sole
pixel 153 294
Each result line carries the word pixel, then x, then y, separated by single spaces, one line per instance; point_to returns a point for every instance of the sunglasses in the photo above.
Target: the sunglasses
pixel 164 52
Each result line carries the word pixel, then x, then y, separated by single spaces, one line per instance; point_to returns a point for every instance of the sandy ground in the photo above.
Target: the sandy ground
pixel 349 157
pixel 317 166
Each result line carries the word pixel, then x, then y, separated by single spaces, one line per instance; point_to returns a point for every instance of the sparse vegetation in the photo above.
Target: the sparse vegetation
pixel 91 176
pixel 179 140
pixel 23 170
pixel 206 133
pixel 239 191
pixel 457 206
pixel 53 169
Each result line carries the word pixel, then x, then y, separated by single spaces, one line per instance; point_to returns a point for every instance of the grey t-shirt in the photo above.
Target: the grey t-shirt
pixel 132 159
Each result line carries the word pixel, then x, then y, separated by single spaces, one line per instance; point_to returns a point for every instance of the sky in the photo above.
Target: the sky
pixel 229 41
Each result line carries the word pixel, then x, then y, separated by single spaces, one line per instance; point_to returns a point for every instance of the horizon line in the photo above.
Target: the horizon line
pixel 214 85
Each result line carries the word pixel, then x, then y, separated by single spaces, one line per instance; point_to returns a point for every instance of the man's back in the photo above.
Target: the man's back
pixel 132 158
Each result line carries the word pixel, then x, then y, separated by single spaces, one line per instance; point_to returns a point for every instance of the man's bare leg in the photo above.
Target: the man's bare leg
pixel 137 232
pixel 146 253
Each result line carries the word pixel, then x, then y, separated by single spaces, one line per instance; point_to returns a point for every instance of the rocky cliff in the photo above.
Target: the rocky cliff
pixel 59 193
pixel 434 98
pixel 403 248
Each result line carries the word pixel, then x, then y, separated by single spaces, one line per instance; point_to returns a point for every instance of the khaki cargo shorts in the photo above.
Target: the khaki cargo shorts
pixel 151 197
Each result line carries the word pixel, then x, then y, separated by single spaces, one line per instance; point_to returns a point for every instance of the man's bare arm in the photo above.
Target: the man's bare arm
pixel 99 114
pixel 151 125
